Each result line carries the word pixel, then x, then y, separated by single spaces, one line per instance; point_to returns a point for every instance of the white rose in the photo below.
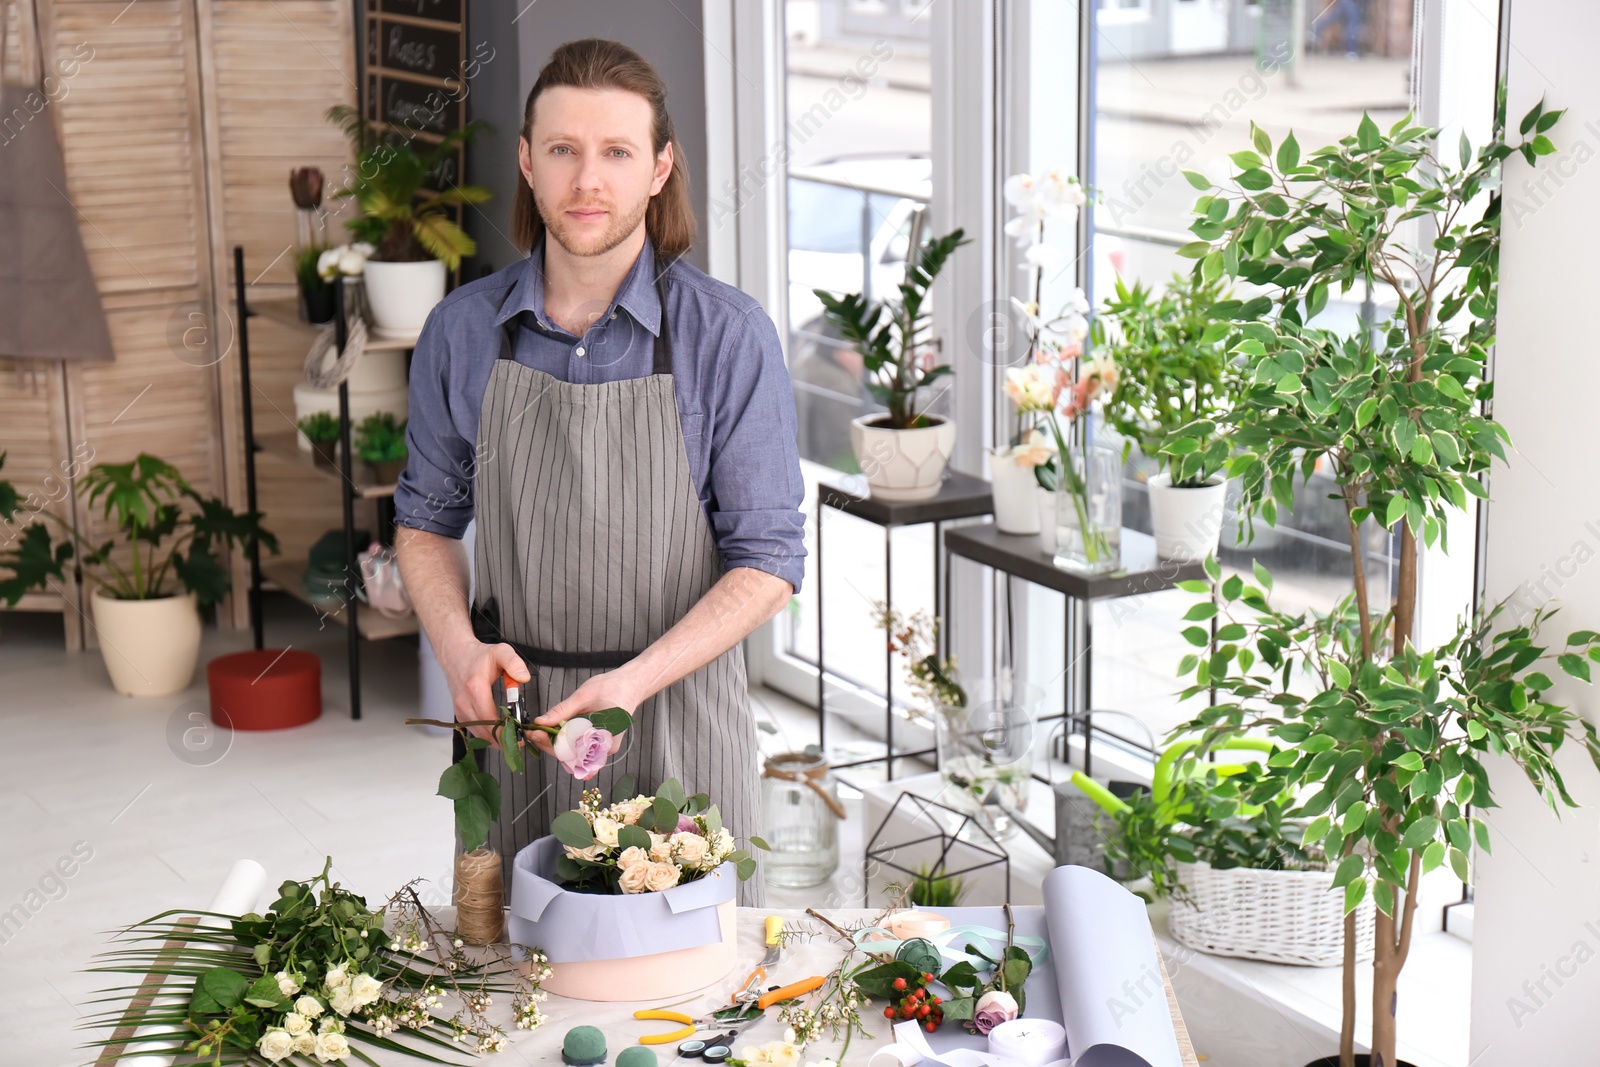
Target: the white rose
pixel 296 1023
pixel 305 1044
pixel 288 984
pixel 635 879
pixel 310 1007
pixel 276 1043
pixel 632 857
pixel 331 1047
pixel 591 853
pixel 330 1024
pixel 344 1002
pixel 660 847
pixel 365 989
pixel 337 976
pixel 661 876
pixel 605 831
pixel 691 849
pixel 723 843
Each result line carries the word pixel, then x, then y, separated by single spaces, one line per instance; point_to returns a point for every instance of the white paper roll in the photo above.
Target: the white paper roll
pixel 239 893
pixel 1031 1042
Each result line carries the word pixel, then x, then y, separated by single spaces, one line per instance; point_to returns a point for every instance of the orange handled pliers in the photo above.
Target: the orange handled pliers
pixel 750 990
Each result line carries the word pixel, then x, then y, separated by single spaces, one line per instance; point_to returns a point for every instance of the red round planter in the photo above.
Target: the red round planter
pixel 272 689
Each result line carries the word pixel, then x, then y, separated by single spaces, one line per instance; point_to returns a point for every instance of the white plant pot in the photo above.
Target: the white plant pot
pixel 1045 509
pixel 1015 510
pixel 903 464
pixel 400 295
pixel 150 646
pixel 1187 522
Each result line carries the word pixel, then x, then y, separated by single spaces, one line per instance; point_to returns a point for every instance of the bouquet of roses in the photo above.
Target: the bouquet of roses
pixel 645 844
pixel 318 977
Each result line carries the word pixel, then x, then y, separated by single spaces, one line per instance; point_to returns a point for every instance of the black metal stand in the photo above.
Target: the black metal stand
pixel 1020 555
pixel 257 626
pixel 961 496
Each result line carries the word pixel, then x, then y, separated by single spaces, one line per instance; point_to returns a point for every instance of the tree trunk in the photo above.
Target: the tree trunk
pixel 1385 971
pixel 1347 1018
pixel 1405 600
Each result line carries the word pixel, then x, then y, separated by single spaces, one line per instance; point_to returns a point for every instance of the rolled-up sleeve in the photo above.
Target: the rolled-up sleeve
pixel 435 489
pixel 755 459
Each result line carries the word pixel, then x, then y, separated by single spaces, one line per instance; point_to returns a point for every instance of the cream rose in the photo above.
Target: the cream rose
pixel 661 876
pixel 276 1043
pixel 605 831
pixel 296 1023
pixel 365 989
pixel 337 976
pixel 305 1044
pixel 343 1002
pixel 635 879
pixel 288 984
pixel 692 850
pixel 308 1006
pixel 632 857
pixel 660 847
pixel 331 1047
pixel 592 853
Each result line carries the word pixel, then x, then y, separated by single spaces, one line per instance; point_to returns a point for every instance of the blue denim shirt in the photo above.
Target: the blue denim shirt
pixel 734 398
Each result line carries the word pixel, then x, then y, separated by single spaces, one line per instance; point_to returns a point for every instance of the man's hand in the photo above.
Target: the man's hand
pixel 471 668
pixel 613 689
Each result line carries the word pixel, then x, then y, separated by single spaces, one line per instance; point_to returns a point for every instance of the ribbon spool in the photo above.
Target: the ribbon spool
pixel 1030 1042
pixel 480 897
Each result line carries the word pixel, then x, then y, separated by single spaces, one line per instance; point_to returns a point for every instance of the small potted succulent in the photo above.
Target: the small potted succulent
pixel 164 568
pixel 1176 370
pixel 322 430
pixel 904 451
pixel 415 240
pixel 381 441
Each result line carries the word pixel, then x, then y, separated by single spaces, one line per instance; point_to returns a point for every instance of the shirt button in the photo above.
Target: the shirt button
pixel 579 351
pixel 613 314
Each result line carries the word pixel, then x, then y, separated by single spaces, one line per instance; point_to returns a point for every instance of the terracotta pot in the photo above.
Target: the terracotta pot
pixel 903 464
pixel 150 646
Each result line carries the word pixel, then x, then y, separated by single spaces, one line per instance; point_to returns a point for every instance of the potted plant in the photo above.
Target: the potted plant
pixel 1391 741
pixel 904 451
pixel 322 430
pixel 381 441
pixel 1175 370
pixel 415 240
pixel 166 568
pixel 316 295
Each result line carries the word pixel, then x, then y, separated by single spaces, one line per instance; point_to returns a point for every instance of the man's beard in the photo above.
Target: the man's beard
pixel 591 244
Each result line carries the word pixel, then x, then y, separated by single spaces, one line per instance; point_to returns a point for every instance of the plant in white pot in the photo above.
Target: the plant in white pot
pixel 904 451
pixel 152 583
pixel 1175 371
pixel 415 239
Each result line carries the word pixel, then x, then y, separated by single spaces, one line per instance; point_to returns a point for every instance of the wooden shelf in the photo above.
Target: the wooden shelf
pixel 283 447
pixel 374 626
pixel 286 312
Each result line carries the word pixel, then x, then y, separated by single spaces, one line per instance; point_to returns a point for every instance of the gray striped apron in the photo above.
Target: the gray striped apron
pixel 591 544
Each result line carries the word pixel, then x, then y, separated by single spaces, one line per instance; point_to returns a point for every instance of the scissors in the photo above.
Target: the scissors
pixel 749 991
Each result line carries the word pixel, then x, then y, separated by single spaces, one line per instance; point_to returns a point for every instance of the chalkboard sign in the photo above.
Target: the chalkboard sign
pixel 446 11
pixel 412 107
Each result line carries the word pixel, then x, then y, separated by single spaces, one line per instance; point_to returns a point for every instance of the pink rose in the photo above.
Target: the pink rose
pixel 686 825
pixel 581 749
pixel 993 1008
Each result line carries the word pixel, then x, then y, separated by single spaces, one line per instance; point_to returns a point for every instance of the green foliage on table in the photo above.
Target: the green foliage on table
pixel 166 536
pixel 389 176
pixel 894 335
pixel 1174 369
pixel 932 888
pixel 381 438
pixel 1395 415
pixel 305 268
pixel 320 427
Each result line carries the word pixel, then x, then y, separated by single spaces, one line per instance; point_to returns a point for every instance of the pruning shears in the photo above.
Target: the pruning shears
pixel 514 700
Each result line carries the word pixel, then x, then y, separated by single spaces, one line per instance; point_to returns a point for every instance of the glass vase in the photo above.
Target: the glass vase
pixel 986 750
pixel 1089 511
pixel 800 820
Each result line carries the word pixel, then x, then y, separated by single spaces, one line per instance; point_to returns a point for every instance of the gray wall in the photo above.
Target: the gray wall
pixel 667 34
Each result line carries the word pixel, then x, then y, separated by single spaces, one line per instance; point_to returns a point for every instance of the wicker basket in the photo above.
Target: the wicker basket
pixel 1278 916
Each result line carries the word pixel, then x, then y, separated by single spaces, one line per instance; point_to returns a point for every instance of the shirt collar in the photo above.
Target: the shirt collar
pixel 637 295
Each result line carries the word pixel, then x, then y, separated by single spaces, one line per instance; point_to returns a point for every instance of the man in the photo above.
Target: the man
pixel 622 429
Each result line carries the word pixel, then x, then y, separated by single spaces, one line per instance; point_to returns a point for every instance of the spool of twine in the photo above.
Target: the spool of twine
pixel 480 897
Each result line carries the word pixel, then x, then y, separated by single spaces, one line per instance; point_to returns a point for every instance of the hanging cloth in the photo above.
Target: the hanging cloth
pixel 49 303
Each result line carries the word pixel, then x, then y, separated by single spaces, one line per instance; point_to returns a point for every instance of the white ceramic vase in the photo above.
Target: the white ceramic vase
pixel 150 646
pixel 1045 509
pixel 1015 511
pixel 903 464
pixel 400 295
pixel 1187 523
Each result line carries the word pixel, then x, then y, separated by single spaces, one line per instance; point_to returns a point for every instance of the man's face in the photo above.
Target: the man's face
pixel 589 164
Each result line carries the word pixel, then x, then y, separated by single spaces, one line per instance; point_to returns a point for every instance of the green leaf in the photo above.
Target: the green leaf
pixel 672 790
pixel 1354 893
pixel 511 747
pixel 1349 868
pixel 1574 665
pixel 1365 411
pixel 1420 832
pixel 1197 180
pixel 613 720
pixel 1262 574
pixel 571 828
pixel 1339 673
pixel 1395 512
pixel 1408 761
pixel 1432 856
pixel 1211 266
pixel 1195 585
pixel 665 812
pixel 265 993
pixel 224 986
pixel 1458 863
pixel 1289 153
pixel 1194 249
pixel 633 837
pixel 1367 135
pixel 1200 612
pixel 627 788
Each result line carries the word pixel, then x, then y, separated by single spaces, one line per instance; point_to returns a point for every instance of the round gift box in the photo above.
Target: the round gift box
pixel 269 689
pixel 641 946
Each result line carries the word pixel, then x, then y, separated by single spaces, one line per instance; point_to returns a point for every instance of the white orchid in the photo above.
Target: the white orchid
pixel 1031 388
pixel 348 259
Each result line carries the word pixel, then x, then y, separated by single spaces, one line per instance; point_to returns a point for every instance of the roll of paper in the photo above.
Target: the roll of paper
pixel 1031 1042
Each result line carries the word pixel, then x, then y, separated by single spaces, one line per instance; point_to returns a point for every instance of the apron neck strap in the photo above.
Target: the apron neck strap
pixel 661 359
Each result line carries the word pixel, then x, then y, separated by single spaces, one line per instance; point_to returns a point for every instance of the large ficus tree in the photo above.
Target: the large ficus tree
pixel 1385 742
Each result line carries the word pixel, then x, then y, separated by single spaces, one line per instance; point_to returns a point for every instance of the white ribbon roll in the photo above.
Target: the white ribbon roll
pixel 1031 1042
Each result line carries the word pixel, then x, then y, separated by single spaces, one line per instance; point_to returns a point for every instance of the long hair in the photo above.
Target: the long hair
pixel 594 63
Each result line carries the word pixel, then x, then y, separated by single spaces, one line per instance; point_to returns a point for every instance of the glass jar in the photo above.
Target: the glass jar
pixel 800 817
pixel 1089 512
pixel 986 751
